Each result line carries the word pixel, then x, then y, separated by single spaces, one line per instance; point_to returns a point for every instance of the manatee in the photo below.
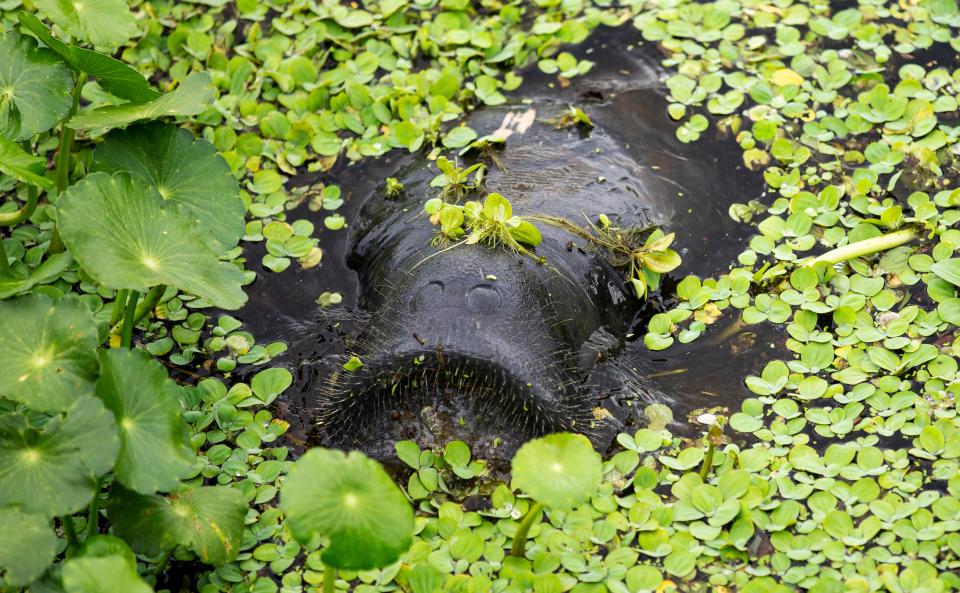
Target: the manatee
pixel 483 344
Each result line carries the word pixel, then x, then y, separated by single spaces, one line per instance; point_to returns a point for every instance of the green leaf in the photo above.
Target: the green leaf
pixel 21 165
pixel 103 574
pixel 268 384
pixel 559 471
pixel 527 234
pixel 98 22
pixel 49 351
pixel 948 269
pixel 187 171
pixel 34 87
pixel 190 98
pixel 113 75
pixel 53 470
pixel 27 546
pixel 124 236
pixel 208 520
pixel 48 271
pixel 350 501
pixel 154 451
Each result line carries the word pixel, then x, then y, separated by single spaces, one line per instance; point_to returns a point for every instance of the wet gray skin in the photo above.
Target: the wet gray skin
pixel 482 344
pixel 450 353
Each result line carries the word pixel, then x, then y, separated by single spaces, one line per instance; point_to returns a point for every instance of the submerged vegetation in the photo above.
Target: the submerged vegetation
pixel 121 229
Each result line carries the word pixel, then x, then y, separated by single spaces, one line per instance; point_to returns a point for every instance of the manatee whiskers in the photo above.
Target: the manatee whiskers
pixel 484 394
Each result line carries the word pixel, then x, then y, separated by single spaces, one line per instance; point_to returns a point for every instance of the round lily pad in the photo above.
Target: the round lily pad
pixel 25 531
pixel 351 502
pixel 154 452
pixel 35 87
pixel 209 520
pixel 560 471
pixel 49 351
pixel 185 170
pixel 53 470
pixel 100 22
pixel 124 235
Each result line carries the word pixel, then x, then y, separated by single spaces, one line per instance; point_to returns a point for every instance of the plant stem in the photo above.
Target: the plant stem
pixel 4 264
pixel 93 514
pixel 161 564
pixel 865 247
pixel 713 437
pixel 69 531
pixel 118 303
pixel 66 138
pixel 329 578
pixel 18 216
pixel 148 303
pixel 519 546
pixel 126 335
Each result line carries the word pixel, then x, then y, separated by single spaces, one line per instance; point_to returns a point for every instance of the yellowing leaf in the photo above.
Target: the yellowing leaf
pixel 785 76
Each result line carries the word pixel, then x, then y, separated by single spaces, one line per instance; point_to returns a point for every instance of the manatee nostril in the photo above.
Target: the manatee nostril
pixel 483 299
pixel 427 297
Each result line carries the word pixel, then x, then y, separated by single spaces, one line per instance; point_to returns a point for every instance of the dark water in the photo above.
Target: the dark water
pixel 687 188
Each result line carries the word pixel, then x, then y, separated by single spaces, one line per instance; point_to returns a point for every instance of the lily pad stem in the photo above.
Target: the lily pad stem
pixel 519 546
pixel 329 578
pixel 62 171
pixel 126 335
pixel 93 513
pixel 865 247
pixel 713 436
pixel 4 265
pixel 18 216
pixel 118 303
pixel 69 531
pixel 148 303
pixel 66 138
pixel 161 564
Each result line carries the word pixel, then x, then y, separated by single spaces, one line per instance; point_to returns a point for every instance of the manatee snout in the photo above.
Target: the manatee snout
pixel 483 335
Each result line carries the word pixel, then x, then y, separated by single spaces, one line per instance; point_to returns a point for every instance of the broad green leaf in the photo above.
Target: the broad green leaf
pixel 526 233
pixel 27 546
pixel 48 271
pixel 154 454
pixel 187 171
pixel 208 520
pixel 99 22
pixel 270 383
pixel 53 470
pixel 560 471
pixel 948 269
pixel 351 502
pixel 21 165
pixel 34 87
pixel 103 574
pixel 49 351
pixel 113 75
pixel 190 98
pixel 124 236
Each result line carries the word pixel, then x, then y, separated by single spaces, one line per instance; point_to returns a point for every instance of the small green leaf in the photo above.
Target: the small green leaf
pixel 948 269
pixel 350 501
pixel 559 471
pixel 103 574
pixel 21 165
pixel 268 384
